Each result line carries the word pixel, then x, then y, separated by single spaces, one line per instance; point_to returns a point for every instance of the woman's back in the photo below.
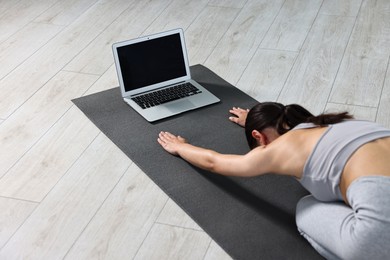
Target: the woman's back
pixel 317 155
pixel 372 158
pixel 293 149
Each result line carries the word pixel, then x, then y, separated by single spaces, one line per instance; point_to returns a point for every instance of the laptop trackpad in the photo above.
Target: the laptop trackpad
pixel 180 106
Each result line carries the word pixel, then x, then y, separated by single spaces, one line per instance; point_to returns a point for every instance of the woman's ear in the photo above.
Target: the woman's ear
pixel 260 137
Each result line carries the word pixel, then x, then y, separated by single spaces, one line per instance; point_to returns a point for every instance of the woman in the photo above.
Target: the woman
pixel 344 163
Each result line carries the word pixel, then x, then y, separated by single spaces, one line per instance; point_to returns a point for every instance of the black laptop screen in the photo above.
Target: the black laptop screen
pixel 152 61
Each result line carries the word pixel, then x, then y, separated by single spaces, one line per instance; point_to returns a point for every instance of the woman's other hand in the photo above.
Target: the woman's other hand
pixel 240 115
pixel 170 142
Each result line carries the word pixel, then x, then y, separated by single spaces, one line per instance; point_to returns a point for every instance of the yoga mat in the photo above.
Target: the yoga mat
pixel 250 218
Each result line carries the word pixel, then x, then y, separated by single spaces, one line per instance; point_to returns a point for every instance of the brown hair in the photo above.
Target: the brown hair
pixel 283 118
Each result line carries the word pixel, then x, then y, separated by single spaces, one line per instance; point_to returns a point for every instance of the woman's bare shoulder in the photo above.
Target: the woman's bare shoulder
pixel 290 151
pixel 304 136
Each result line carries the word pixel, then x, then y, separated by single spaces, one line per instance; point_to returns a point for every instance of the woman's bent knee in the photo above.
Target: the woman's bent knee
pixel 304 211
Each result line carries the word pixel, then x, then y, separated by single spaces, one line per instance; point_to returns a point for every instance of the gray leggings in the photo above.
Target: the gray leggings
pixel 361 231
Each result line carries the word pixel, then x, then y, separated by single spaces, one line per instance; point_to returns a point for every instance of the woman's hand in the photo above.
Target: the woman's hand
pixel 240 115
pixel 170 142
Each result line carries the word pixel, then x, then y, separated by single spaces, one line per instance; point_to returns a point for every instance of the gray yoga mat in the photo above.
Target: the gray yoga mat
pixel 250 218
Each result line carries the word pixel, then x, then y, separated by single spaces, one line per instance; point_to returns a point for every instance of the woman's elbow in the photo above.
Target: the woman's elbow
pixel 221 164
pixel 210 163
pixel 229 165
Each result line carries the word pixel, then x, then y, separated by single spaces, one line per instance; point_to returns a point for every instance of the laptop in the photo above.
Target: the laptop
pixel 154 76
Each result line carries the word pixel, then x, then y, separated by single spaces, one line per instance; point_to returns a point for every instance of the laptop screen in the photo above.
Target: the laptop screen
pixel 151 61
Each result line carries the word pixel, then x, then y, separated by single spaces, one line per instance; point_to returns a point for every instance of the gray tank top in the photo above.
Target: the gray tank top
pixel 322 170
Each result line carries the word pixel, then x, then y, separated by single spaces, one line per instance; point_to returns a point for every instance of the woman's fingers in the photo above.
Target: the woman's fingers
pixel 239 115
pixel 170 142
pixel 234 119
pixel 167 137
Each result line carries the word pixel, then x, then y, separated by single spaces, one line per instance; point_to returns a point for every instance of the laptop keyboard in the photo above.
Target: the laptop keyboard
pixel 166 95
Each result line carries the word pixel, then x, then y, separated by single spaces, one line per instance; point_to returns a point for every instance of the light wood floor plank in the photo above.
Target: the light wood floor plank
pixel 108 80
pixel 124 220
pixel 206 31
pixel 167 242
pixel 65 12
pixel 215 252
pixel 383 115
pixel 36 173
pixel 236 48
pixel 173 215
pixel 312 76
pixel 5 5
pixel 341 7
pixel 361 75
pixel 289 30
pixel 39 170
pixel 373 21
pixel 228 3
pixel 20 14
pixel 12 214
pixel 266 74
pixel 363 113
pixel 179 14
pixel 23 44
pixel 359 81
pixel 26 79
pixel 130 24
pixel 59 220
pixel 19 132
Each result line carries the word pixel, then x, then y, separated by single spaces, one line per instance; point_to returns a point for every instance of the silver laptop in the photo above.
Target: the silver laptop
pixel 154 76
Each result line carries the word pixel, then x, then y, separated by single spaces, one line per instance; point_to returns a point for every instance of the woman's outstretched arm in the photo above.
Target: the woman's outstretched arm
pixel 252 164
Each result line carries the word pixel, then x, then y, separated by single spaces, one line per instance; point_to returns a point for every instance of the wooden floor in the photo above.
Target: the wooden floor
pixel 66 192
